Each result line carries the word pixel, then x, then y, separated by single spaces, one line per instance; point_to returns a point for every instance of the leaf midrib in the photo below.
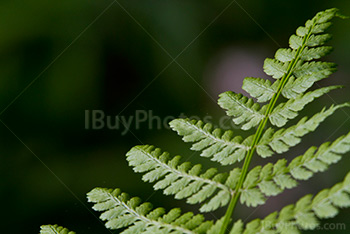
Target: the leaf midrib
pixel 194 178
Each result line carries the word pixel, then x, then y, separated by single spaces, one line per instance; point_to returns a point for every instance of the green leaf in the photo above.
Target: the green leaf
pixel 274 68
pixel 182 180
pixel 269 188
pixel 252 178
pixel 233 178
pixel 289 110
pixel 283 139
pixel 219 200
pixel 237 227
pixel 216 227
pixel 285 55
pixel 252 197
pixel 243 110
pixel 221 146
pixel 317 40
pixel 272 179
pixel 54 229
pixel 295 42
pixel 310 68
pixel 326 16
pixel 312 161
pixel 295 87
pixel 295 73
pixel 259 88
pixel 137 217
pixel 316 53
pixel 304 214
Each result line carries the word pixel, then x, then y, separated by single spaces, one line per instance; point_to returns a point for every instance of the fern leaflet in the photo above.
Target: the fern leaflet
pixel 289 110
pixel 273 179
pixel 221 146
pixel 244 110
pixel 181 180
pixel 283 139
pixel 120 211
pixel 303 215
pixel 54 229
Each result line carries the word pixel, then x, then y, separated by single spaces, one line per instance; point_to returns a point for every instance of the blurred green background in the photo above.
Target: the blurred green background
pixel 99 55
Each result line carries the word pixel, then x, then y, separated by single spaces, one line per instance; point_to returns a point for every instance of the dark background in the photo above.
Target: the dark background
pixel 60 58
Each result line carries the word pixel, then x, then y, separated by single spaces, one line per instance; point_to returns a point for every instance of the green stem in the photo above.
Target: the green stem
pixel 259 132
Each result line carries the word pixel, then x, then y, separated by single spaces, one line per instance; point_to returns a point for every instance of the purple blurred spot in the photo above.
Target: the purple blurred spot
pixel 227 70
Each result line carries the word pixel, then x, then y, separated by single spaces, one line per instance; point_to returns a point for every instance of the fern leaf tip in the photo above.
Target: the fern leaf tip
pixel 54 229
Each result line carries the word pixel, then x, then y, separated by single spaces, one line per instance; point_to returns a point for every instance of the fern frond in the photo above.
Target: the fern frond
pixel 295 72
pixel 272 179
pixel 243 110
pixel 283 139
pixel 54 229
pixel 289 110
pixel 221 146
pixel 290 64
pixel 293 63
pixel 120 211
pixel 182 180
pixel 304 214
